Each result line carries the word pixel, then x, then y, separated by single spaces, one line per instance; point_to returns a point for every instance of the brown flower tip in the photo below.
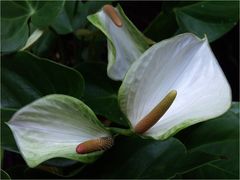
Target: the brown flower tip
pixel 111 12
pixel 99 144
pixel 154 116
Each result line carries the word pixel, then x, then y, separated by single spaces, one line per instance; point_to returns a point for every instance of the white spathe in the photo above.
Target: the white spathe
pixel 53 126
pixel 184 63
pixel 125 44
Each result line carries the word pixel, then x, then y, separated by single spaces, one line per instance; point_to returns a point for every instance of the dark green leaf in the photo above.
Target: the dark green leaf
pixel 4 175
pixel 2 154
pixel 133 157
pixel 213 18
pixel 15 17
pixel 7 139
pixel 165 25
pixel 45 44
pixel 219 136
pixel 26 77
pixel 162 27
pixel 74 15
pixel 101 92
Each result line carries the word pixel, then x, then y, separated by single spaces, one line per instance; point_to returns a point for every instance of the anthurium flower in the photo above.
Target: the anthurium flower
pixel 174 84
pixel 58 126
pixel 125 42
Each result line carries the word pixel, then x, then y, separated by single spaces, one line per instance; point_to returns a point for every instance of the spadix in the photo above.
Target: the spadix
pixel 93 145
pixel 111 12
pixel 154 116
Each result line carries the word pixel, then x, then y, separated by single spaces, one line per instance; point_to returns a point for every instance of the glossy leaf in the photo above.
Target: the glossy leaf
pixel 7 139
pixel 162 27
pixel 101 92
pixel 45 45
pixel 4 175
pixel 15 17
pixel 219 136
pixel 141 159
pixel 26 77
pixel 209 17
pixel 74 15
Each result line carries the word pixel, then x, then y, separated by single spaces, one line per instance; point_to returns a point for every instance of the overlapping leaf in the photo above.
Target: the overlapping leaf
pixel 26 77
pixel 16 15
pixel 219 136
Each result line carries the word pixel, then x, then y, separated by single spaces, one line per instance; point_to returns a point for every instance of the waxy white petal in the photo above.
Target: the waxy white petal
pixel 53 126
pixel 183 63
pixel 125 44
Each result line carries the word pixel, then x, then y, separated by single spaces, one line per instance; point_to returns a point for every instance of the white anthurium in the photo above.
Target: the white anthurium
pixel 182 74
pixel 55 126
pixel 125 42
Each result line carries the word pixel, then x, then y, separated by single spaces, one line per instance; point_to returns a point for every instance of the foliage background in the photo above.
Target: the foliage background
pixel 207 150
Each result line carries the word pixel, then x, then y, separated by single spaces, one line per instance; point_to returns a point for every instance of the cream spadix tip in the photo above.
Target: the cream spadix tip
pixel 99 144
pixel 111 12
pixel 158 111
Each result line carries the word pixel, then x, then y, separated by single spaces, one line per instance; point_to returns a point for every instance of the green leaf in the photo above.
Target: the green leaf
pixel 7 139
pixel 2 155
pixel 74 15
pixel 212 18
pixel 219 136
pixel 4 175
pixel 26 77
pixel 164 25
pixel 133 157
pixel 45 45
pixel 101 92
pixel 15 17
pixel 54 126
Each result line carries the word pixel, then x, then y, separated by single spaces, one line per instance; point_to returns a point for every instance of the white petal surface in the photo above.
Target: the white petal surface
pixel 125 44
pixel 183 63
pixel 53 126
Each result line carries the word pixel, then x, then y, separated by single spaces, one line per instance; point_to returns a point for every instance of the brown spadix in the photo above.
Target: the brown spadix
pixel 111 12
pixel 99 144
pixel 158 111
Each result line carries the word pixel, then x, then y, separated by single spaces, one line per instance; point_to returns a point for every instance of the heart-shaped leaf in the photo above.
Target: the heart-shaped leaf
pixel 209 17
pixel 134 157
pixel 74 15
pixel 101 92
pixel 7 139
pixel 219 136
pixel 16 15
pixel 26 77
